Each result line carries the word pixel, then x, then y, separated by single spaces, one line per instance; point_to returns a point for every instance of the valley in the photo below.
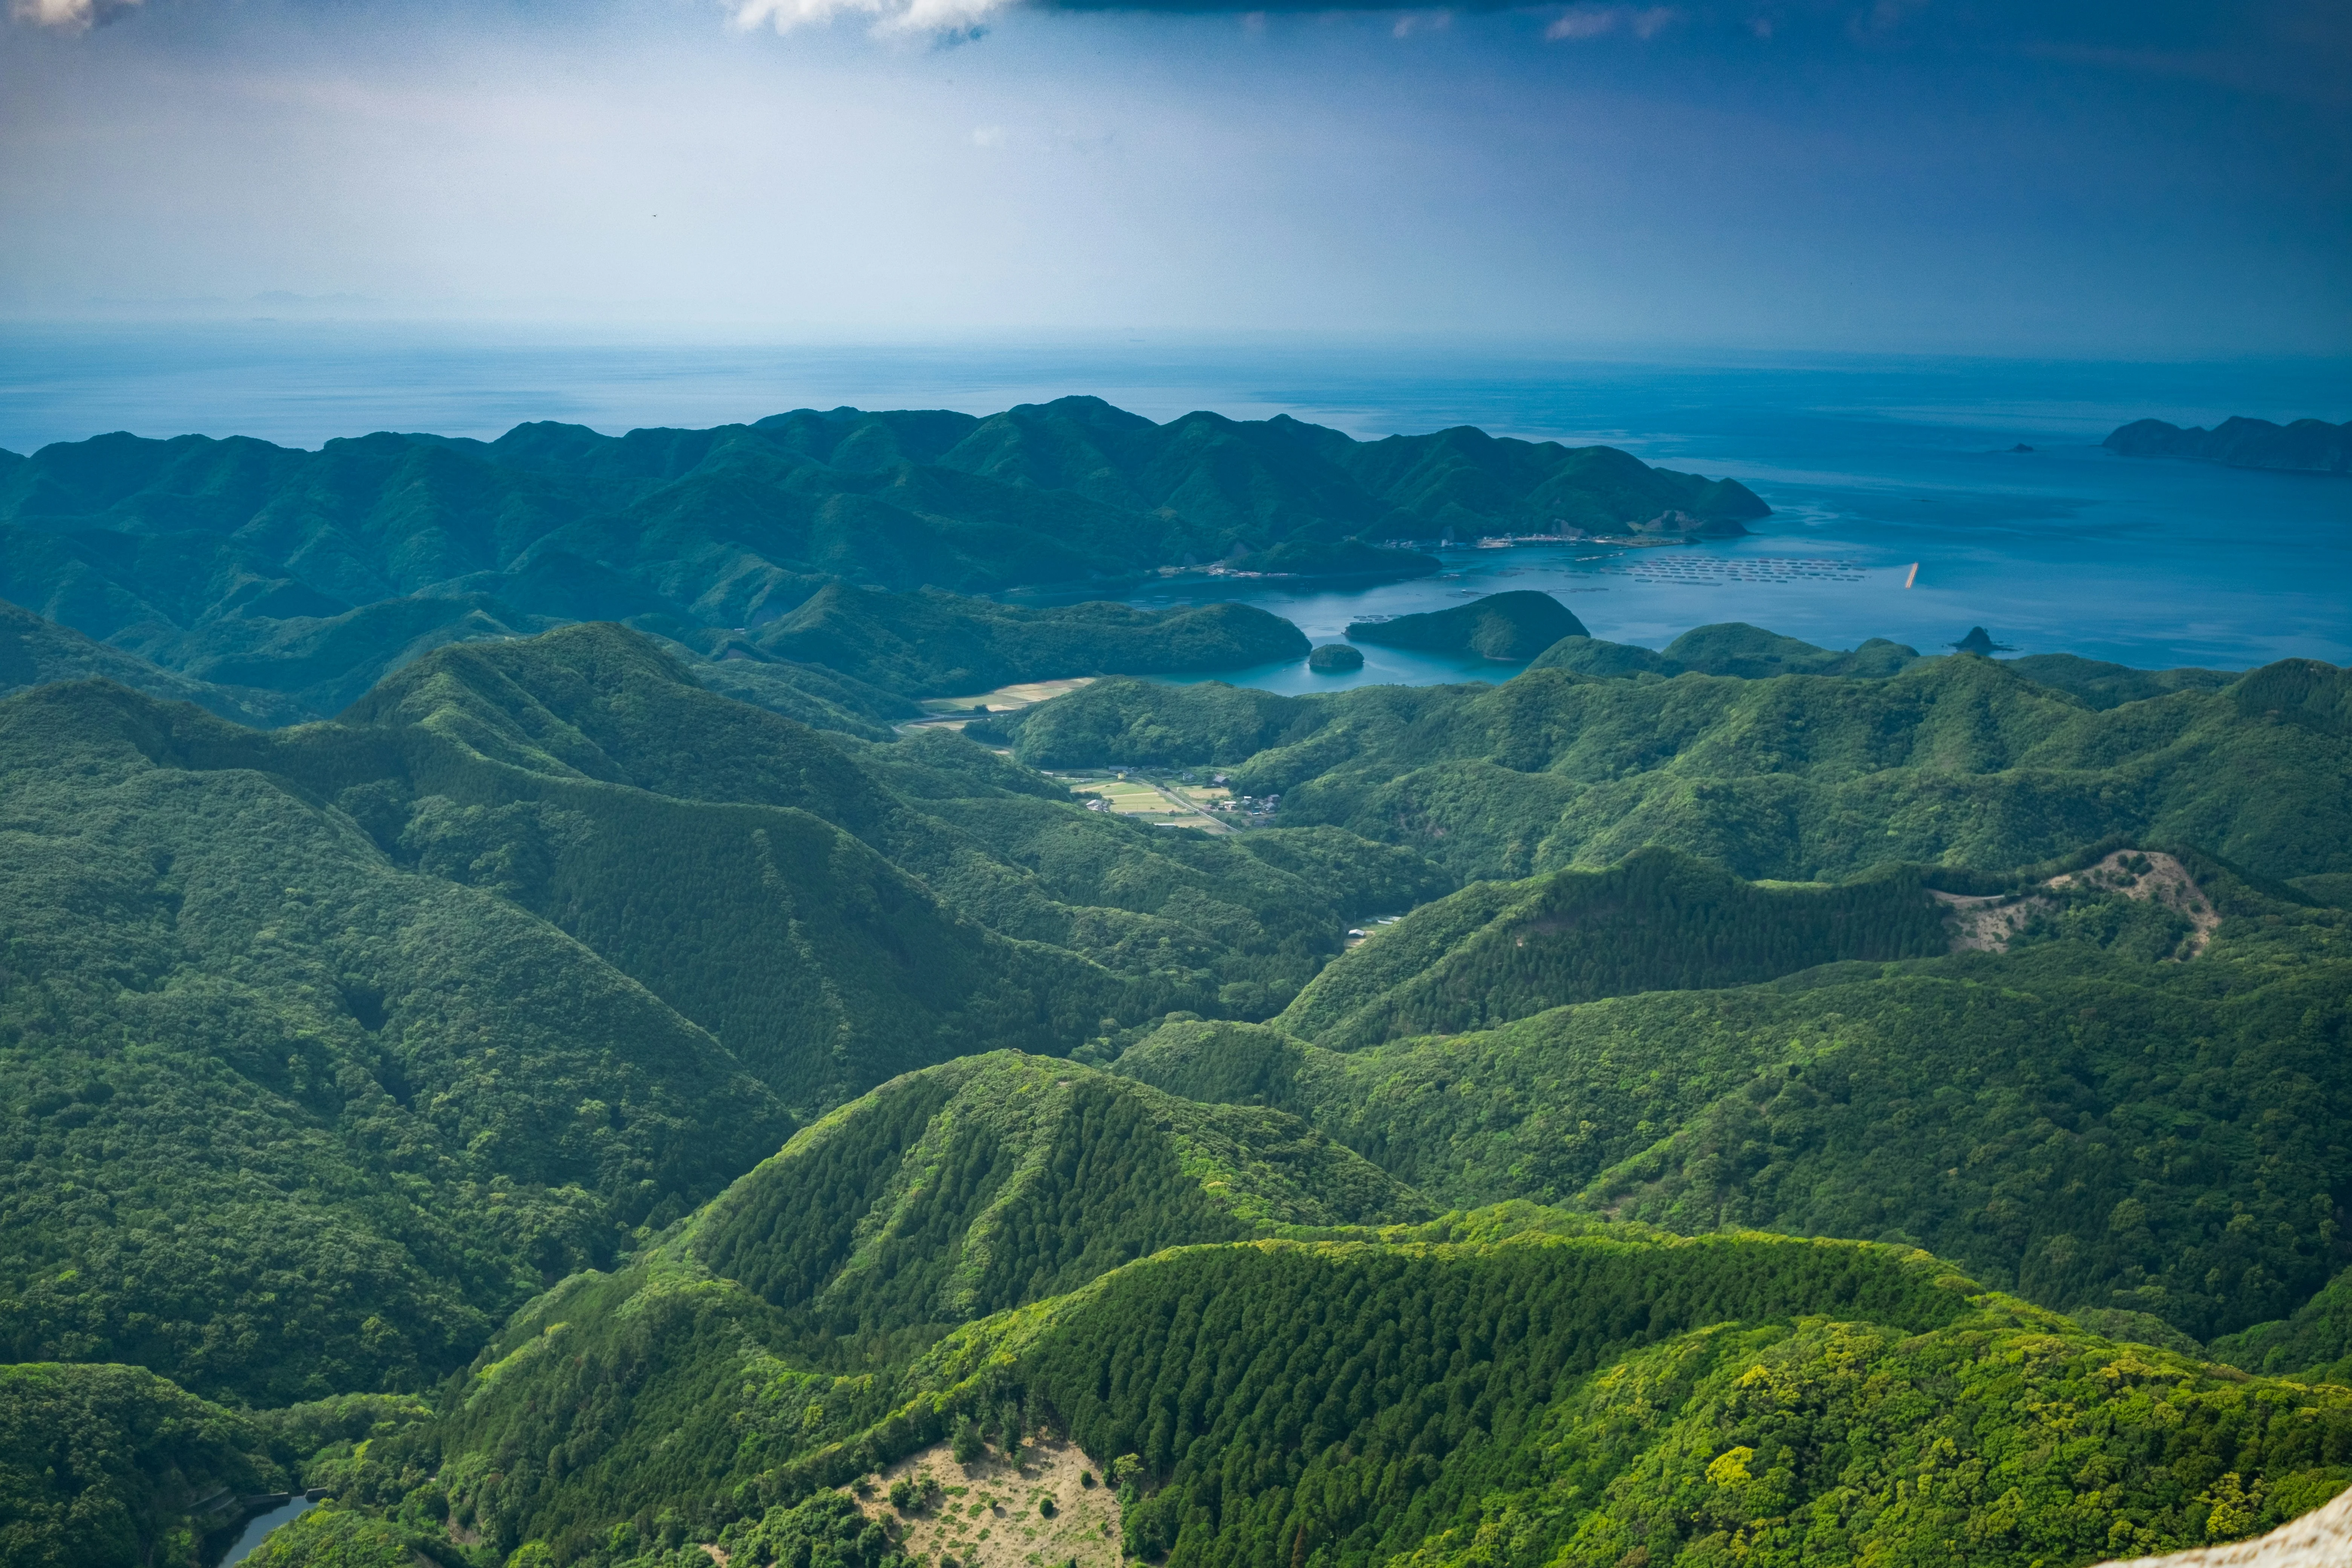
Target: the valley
pixel 862 1074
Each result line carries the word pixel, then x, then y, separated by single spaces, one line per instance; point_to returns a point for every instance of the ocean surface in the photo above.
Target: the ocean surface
pixel 1870 463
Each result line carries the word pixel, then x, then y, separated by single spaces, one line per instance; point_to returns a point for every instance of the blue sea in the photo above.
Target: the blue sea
pixel 1871 464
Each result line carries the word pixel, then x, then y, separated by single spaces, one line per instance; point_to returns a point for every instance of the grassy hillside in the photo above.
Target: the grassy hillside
pixel 1654 921
pixel 1958 761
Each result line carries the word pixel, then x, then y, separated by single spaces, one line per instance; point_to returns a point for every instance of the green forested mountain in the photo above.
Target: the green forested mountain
pixel 324 1047
pixel 1507 627
pixel 942 644
pixel 1734 648
pixel 1957 759
pixel 1500 1386
pixel 1653 922
pixel 314 575
pixel 2053 1119
pixel 794 1311
pixel 35 652
pixel 579 1117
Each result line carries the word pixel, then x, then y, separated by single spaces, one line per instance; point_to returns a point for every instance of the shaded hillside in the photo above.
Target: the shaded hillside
pixel 2084 1127
pixel 1507 627
pixel 285 1119
pixel 35 652
pixel 419 1011
pixel 1733 648
pixel 315 574
pixel 1654 921
pixel 2305 446
pixel 1957 759
pixel 941 645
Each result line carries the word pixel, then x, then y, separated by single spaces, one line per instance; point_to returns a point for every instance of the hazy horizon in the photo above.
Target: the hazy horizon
pixel 1881 177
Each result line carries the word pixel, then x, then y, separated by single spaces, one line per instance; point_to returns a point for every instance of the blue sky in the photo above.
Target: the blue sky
pixel 1881 174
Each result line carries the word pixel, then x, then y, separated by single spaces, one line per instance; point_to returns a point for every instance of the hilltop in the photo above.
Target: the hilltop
pixel 2305 447
pixel 314 575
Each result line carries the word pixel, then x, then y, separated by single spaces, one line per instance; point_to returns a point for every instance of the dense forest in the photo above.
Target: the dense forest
pixel 308 576
pixel 609 1093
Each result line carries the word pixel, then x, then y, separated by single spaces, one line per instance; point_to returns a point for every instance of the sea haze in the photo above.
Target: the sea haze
pixel 1870 464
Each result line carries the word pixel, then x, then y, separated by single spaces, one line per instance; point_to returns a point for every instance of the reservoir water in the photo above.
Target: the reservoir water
pixel 249 1539
pixel 1870 463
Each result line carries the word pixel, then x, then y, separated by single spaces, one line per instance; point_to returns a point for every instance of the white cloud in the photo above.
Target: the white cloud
pixel 69 15
pixel 1600 21
pixel 988 136
pixel 899 16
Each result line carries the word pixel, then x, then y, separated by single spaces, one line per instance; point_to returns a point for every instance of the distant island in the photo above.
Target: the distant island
pixel 2305 446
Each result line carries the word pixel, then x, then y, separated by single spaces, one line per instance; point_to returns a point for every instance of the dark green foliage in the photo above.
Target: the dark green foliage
pixel 112 1467
pixel 1751 653
pixel 2315 1344
pixel 1654 921
pixel 34 652
pixel 1509 627
pixel 2103 686
pixel 1335 658
pixel 2088 1129
pixel 1733 648
pixel 942 645
pixel 320 1049
pixel 2302 446
pixel 1031 1185
pixel 1955 761
pixel 282 1119
pixel 316 574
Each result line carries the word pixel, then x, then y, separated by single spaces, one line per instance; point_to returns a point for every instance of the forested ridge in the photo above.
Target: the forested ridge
pixel 578 1117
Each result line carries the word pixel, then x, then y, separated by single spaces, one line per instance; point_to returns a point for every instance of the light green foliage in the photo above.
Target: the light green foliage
pixel 1654 921
pixel 1956 760
pixel 788 1318
pixel 333 1537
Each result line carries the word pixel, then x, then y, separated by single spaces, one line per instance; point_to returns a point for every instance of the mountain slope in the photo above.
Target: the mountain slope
pixel 316 574
pixel 1654 921
pixel 1504 1387
pixel 2055 1117
pixel 1957 759
pixel 285 1119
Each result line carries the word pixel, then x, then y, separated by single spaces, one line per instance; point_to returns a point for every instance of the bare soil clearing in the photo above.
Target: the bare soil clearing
pixel 986 1514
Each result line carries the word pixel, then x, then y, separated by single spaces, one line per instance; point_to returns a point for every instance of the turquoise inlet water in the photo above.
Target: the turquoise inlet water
pixel 1870 465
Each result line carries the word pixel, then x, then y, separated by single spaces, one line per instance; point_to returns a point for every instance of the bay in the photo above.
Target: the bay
pixel 1871 464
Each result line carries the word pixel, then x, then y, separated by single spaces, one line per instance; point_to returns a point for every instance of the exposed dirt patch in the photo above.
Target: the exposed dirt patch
pixel 2147 874
pixel 986 1515
pixel 1989 924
